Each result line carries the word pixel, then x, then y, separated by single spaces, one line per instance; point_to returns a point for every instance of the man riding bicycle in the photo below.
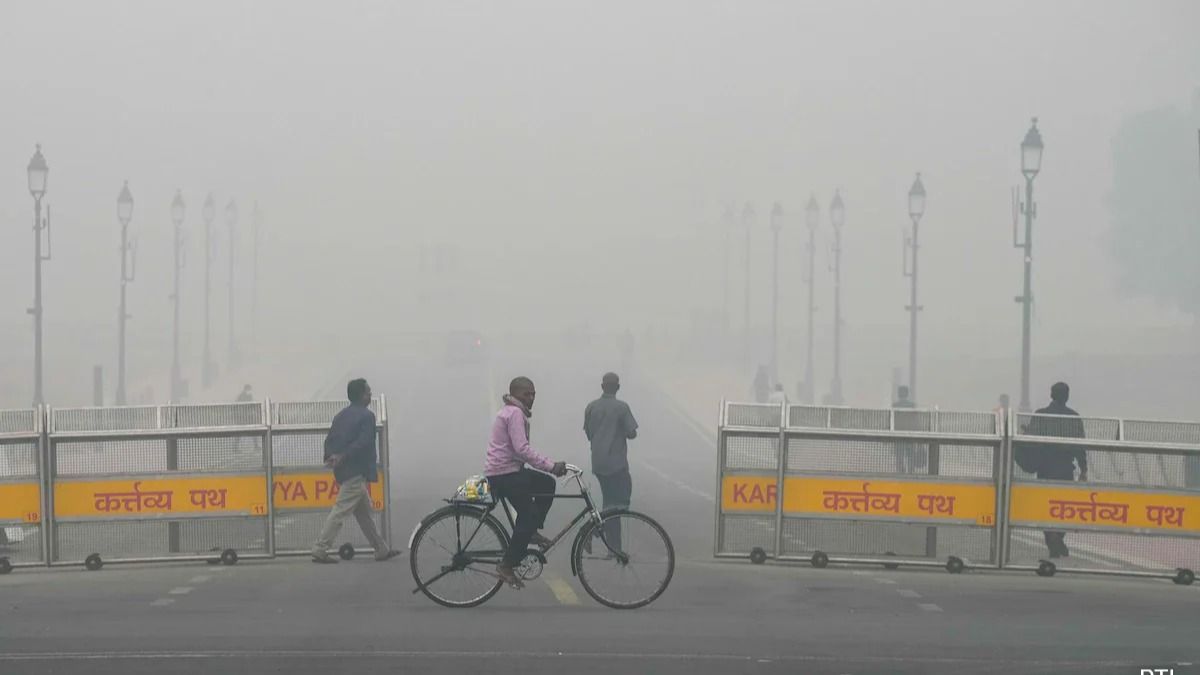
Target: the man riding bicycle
pixel 507 454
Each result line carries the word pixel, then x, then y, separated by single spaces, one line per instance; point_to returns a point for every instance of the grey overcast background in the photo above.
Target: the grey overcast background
pixel 525 166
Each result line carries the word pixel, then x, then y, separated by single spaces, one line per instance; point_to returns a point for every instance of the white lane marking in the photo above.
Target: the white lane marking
pixel 163 602
pixel 969 662
pixel 562 590
pixel 929 607
pixel 673 481
pixel 180 590
pixel 882 580
pixel 908 593
pixel 199 580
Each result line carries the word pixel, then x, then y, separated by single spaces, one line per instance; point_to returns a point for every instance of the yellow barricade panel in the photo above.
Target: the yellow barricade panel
pixel 20 501
pixel 166 496
pixel 908 500
pixel 1089 507
pixel 317 490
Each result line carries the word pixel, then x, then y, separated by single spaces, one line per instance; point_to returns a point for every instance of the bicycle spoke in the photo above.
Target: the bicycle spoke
pixel 634 568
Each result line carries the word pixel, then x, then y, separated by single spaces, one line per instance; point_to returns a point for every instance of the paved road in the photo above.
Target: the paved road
pixel 289 616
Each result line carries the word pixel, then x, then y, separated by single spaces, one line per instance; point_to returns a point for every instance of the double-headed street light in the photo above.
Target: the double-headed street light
pixel 776 226
pixel 916 209
pixel 812 218
pixel 38 171
pixel 177 213
pixel 1031 164
pixel 128 266
pixel 837 217
pixel 231 217
pixel 207 370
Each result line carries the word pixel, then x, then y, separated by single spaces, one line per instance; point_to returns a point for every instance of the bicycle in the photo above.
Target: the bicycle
pixel 474 541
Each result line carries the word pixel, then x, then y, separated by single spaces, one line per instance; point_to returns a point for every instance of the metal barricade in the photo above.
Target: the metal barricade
pixel 303 489
pixel 1137 512
pixel 22 526
pixel 831 484
pixel 158 483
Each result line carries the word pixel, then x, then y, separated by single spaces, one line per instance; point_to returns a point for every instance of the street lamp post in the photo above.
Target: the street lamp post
pixel 776 226
pixel 37 172
pixel 837 216
pixel 916 208
pixel 1031 164
pixel 177 213
pixel 208 213
pixel 728 221
pixel 812 219
pixel 748 225
pixel 231 216
pixel 128 266
pixel 256 223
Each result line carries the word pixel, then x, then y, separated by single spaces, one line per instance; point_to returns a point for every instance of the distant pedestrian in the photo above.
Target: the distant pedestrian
pixel 246 396
pixel 909 458
pixel 778 396
pixel 761 385
pixel 350 451
pixel 1055 462
pixel 609 426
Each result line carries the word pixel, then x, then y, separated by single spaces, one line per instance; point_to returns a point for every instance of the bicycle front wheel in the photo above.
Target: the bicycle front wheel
pixel 625 561
pixel 454 554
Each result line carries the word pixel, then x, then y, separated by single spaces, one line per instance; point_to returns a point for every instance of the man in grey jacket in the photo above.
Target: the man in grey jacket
pixel 350 451
pixel 609 425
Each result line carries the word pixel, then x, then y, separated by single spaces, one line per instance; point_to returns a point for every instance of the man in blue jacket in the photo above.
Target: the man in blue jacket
pixel 350 450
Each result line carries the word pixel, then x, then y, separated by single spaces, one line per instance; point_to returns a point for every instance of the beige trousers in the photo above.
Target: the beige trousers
pixel 352 498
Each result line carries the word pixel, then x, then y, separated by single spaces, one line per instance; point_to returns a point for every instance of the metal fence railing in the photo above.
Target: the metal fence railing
pixel 168 483
pixel 960 489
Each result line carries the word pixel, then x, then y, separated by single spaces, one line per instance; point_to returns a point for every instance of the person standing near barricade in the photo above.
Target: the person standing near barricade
pixel 1057 462
pixel 908 456
pixel 609 425
pixel 350 451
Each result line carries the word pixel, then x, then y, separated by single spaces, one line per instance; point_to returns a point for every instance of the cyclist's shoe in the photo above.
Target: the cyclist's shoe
pixel 508 576
pixel 540 541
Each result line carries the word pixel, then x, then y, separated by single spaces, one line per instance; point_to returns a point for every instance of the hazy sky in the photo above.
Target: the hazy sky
pixel 577 154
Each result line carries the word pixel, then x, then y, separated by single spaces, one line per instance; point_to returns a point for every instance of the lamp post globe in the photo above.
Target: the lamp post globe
pixel 177 208
pixel 837 210
pixel 1031 151
pixel 916 199
pixel 125 205
pixel 38 171
pixel 812 213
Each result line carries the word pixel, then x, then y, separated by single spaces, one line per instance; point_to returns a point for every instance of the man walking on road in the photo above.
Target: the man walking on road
pixel 350 450
pixel 609 425
pixel 1057 462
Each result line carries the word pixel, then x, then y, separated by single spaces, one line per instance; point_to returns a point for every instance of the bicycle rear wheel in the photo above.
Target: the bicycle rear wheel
pixel 626 570
pixel 453 555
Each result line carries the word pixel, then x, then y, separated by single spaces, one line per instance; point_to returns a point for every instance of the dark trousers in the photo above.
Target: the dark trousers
pixel 1056 541
pixel 617 490
pixel 518 488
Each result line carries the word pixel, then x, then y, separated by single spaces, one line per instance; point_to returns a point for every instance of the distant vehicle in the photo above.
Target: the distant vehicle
pixel 465 347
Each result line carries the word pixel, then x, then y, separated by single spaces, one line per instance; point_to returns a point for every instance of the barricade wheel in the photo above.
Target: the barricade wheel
pixel 954 565
pixel 346 551
pixel 93 562
pixel 5 566
pixel 1184 577
pixel 214 560
pixel 229 556
pixel 891 566
pixel 1046 569
pixel 820 560
pixel 757 555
